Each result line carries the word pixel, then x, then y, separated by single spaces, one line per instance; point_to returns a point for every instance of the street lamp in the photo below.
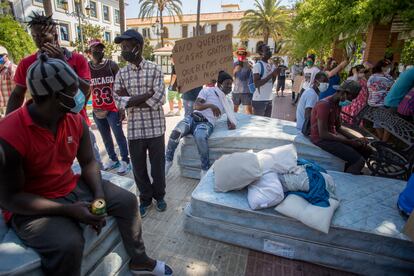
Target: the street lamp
pixel 78 14
pixel 156 29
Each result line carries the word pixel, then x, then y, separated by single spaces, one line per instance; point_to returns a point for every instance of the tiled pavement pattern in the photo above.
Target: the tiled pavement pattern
pixel 193 255
pixel 259 263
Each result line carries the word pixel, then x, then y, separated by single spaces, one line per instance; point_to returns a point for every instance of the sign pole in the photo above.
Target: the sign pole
pixel 198 18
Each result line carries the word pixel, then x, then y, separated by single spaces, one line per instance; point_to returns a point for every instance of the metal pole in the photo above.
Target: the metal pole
pixel 198 18
pixel 80 26
pixel 24 16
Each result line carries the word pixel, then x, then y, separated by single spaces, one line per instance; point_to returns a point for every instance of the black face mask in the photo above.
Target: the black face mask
pixel 130 56
pixel 98 55
pixel 226 89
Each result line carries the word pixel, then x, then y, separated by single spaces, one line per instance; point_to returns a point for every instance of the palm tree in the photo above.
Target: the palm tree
pixel 268 19
pixel 151 7
pixel 122 15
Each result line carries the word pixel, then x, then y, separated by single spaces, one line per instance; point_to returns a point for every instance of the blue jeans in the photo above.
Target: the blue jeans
pixel 200 130
pixel 104 126
pixel 95 148
pixel 188 107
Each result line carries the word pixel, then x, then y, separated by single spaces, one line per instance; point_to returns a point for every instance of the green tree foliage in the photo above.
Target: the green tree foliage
pixel 148 50
pixel 407 55
pixel 268 19
pixel 319 23
pixel 149 8
pixel 15 39
pixel 90 32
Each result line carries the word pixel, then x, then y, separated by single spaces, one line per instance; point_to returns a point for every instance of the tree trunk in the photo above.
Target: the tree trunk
pixel 47 6
pixel 162 28
pixel 122 15
pixel 266 37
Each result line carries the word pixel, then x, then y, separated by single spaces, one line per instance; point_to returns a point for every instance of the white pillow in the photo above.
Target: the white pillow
pixel 281 159
pixel 316 217
pixel 236 171
pixel 266 192
pixel 330 185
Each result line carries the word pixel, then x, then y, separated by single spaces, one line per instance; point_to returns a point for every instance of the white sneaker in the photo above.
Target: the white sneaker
pixel 168 165
pixel 169 114
pixel 202 174
pixel 124 168
pixel 110 165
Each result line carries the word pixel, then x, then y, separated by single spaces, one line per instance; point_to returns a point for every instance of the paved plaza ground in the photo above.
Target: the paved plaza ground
pixel 188 254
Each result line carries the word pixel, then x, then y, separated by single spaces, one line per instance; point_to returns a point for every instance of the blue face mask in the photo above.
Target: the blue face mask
pixel 2 61
pixel 344 103
pixel 79 100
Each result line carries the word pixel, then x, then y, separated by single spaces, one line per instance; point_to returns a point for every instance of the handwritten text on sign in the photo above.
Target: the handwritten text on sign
pixel 199 59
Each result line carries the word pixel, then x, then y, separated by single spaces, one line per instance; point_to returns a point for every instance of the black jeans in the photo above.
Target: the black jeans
pixel 156 150
pixel 262 108
pixel 59 240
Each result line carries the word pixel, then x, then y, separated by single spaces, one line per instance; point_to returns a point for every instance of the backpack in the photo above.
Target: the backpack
pixel 406 106
pixel 252 87
pixel 306 127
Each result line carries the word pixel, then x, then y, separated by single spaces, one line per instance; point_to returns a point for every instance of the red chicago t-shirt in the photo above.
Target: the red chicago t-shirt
pixel 47 159
pixel 102 82
pixel 77 61
pixel 328 112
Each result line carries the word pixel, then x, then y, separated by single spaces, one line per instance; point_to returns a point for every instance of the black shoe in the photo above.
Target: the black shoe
pixel 161 205
pixel 144 209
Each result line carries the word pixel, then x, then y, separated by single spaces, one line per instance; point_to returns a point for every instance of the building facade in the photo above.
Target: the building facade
pixel 176 29
pixel 104 13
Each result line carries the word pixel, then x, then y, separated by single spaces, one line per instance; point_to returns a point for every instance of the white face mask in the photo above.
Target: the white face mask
pixel 387 70
pixel 323 86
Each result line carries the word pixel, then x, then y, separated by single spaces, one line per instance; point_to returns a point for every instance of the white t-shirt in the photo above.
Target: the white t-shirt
pixel 264 93
pixel 308 99
pixel 209 95
pixel 309 74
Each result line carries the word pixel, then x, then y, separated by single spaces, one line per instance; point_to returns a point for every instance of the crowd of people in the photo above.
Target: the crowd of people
pixel 325 105
pixel 38 186
pixel 41 197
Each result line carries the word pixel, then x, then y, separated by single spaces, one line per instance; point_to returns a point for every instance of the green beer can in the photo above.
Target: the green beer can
pixel 98 207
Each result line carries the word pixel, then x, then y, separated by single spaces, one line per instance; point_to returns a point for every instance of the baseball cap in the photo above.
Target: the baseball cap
pixel 350 86
pixel 3 51
pixel 49 75
pixel 95 42
pixel 130 34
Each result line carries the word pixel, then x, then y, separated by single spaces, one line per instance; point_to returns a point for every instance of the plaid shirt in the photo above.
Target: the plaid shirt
pixel 6 82
pixel 147 78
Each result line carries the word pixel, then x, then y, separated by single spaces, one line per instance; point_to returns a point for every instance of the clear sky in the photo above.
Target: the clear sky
pixel 190 6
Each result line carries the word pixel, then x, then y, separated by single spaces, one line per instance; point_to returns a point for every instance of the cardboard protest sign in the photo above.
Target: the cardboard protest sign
pixel 409 227
pixel 198 59
pixel 297 83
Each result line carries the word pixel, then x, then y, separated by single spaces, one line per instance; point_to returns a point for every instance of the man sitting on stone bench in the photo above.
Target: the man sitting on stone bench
pixel 209 105
pixel 326 128
pixel 42 199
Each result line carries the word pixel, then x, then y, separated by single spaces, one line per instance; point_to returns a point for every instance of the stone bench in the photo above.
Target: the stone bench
pixel 256 133
pixel 103 254
pixel 365 235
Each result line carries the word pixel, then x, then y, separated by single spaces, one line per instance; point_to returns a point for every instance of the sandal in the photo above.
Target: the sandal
pixel 160 269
